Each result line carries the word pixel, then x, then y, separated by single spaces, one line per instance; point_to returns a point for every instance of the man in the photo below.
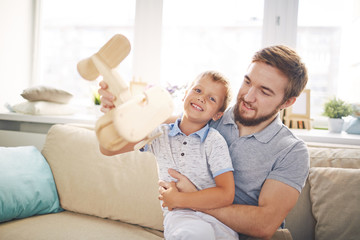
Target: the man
pixel 270 163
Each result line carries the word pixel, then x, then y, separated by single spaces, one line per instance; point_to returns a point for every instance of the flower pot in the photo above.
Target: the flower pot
pixel 336 125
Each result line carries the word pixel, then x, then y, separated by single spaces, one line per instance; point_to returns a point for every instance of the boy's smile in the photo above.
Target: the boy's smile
pixel 197 107
pixel 202 102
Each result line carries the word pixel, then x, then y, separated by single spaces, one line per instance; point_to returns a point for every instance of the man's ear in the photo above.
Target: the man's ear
pixel 288 103
pixel 217 116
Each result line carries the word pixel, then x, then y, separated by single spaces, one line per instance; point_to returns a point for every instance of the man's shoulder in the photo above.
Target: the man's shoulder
pixel 286 135
pixel 226 119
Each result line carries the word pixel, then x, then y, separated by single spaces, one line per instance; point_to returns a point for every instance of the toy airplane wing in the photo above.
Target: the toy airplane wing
pixel 138 117
pixel 135 119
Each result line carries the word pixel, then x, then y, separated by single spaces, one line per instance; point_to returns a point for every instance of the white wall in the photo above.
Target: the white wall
pixel 16 44
pixel 17 138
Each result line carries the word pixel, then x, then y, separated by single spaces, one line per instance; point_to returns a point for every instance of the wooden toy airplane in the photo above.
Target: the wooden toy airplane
pixel 135 116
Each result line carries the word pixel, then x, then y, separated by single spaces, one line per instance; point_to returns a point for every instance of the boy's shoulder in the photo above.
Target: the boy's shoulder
pixel 213 135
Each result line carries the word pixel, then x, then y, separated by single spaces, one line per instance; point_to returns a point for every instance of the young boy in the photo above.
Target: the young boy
pixel 199 152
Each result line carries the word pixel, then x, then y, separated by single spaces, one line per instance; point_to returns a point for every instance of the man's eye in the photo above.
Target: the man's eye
pixel 265 93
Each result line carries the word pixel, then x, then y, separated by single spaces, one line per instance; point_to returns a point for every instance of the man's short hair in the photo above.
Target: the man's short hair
pixel 289 63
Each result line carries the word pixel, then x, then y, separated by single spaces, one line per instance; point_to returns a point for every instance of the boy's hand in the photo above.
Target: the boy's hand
pixel 170 192
pixel 107 98
pixel 169 195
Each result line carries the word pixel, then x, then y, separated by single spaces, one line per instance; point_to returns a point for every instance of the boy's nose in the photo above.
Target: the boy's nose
pixel 201 99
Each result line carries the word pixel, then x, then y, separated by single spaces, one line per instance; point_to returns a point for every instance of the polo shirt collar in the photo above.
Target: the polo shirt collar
pixel 228 117
pixel 264 135
pixel 202 133
pixel 270 131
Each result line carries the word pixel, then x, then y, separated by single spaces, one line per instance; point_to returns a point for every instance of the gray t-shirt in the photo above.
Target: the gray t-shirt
pixel 273 153
pixel 201 156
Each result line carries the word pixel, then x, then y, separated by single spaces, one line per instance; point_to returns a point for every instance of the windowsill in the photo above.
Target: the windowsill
pixel 51 119
pixel 324 136
pixel 41 124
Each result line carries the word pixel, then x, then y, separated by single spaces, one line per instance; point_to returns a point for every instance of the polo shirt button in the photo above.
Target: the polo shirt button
pixel 184 143
pixel 182 154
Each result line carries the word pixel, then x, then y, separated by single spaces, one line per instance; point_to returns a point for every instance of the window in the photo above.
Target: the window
pixel 70 31
pixel 174 40
pixel 328 42
pixel 209 35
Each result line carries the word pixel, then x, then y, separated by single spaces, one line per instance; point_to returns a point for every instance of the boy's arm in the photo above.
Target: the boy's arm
pixel 215 197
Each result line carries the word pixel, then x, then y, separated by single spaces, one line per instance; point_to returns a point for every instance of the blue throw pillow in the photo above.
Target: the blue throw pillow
pixel 27 185
pixel 354 126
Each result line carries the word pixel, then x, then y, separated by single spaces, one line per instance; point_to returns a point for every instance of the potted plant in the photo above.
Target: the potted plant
pixel 335 109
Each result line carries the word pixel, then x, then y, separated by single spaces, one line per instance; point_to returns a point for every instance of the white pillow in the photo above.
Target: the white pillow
pixel 44 93
pixel 335 198
pixel 43 108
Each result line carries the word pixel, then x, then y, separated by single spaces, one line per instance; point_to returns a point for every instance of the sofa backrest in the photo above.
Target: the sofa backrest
pixel 301 221
pixel 122 187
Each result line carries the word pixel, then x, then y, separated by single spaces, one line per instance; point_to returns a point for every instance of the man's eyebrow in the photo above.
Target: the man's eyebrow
pixel 263 87
pixel 268 89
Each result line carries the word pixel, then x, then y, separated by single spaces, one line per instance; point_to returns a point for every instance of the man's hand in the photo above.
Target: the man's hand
pixel 107 98
pixel 183 183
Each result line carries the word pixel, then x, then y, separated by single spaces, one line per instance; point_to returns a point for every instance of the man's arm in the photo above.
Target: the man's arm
pixel 275 202
pixel 209 198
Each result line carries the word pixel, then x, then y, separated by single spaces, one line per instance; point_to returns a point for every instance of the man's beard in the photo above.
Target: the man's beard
pixel 251 121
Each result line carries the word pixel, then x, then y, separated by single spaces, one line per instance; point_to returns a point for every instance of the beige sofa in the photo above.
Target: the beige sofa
pixel 116 197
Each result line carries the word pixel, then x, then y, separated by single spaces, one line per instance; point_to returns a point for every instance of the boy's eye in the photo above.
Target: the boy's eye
pixel 197 90
pixel 212 99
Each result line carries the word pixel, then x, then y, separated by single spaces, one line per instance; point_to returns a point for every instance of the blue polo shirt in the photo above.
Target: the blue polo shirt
pixel 273 153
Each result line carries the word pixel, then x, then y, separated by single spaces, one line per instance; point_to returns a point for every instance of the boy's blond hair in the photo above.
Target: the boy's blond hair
pixel 217 77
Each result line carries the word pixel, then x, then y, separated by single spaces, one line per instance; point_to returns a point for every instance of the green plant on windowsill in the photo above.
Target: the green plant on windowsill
pixel 96 96
pixel 337 108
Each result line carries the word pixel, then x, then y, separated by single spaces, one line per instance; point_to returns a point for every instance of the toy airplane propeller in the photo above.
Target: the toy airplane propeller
pixel 135 116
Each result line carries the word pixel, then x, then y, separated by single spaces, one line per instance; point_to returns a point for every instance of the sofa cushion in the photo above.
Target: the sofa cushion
pixel 69 225
pixel 335 198
pixel 43 108
pixel 122 187
pixel 27 186
pixel 334 157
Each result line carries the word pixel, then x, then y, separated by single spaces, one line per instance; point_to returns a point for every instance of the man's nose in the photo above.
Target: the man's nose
pixel 250 96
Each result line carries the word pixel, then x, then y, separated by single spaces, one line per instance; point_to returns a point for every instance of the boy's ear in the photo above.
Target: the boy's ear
pixel 217 116
pixel 288 103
